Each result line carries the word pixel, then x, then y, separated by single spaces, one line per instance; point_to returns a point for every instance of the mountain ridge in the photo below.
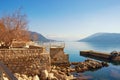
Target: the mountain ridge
pixel 102 37
pixel 40 37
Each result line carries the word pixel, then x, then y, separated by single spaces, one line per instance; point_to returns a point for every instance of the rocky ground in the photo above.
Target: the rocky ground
pixel 78 67
pixel 64 71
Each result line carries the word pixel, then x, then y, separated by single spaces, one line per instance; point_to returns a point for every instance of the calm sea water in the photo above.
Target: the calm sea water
pixel 106 73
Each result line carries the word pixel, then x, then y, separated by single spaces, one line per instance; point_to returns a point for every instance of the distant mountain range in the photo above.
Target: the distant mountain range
pixel 102 37
pixel 40 37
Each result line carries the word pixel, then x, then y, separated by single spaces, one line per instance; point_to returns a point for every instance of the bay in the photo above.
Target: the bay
pixel 106 73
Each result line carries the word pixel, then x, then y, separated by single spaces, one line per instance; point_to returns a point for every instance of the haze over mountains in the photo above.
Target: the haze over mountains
pixel 97 37
pixel 102 37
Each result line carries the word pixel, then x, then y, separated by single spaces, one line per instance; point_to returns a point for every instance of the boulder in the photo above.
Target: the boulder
pixel 30 78
pixel 17 75
pixel 24 76
pixel 71 70
pixel 51 77
pixel 59 76
pixel 36 77
pixel 44 75
pixel 104 63
pixel 54 71
pixel 5 78
pixel 71 77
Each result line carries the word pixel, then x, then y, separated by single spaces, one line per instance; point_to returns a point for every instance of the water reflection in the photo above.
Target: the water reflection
pixel 107 73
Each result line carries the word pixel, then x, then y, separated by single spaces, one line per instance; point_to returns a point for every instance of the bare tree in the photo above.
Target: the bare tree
pixel 12 27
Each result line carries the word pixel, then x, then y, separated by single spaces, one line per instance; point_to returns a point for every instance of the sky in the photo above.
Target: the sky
pixel 67 19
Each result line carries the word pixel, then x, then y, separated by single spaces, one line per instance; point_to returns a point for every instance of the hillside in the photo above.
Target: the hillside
pixel 41 37
pixel 102 37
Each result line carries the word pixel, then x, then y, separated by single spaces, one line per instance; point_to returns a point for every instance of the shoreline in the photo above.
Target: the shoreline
pixel 65 71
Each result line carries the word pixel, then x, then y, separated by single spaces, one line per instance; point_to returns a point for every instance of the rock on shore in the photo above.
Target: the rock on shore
pixel 53 75
pixel 64 72
pixel 88 64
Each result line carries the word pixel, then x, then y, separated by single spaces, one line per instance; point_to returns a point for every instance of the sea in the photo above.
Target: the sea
pixel 112 72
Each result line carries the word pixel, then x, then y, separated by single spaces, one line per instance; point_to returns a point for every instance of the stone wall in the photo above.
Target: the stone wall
pixel 58 56
pixel 25 61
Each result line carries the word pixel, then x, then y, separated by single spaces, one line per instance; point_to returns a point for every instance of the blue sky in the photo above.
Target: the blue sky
pixel 67 19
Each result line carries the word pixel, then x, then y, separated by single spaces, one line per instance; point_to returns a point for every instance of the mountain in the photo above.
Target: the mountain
pixel 40 37
pixel 102 37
